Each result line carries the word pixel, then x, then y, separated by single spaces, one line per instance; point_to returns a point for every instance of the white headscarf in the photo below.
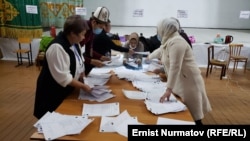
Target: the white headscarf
pixel 166 28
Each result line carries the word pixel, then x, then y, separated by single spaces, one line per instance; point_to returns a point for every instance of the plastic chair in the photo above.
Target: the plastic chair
pixel 215 62
pixel 21 50
pixel 236 57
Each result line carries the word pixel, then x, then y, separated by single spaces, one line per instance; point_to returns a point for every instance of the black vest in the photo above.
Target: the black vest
pixel 49 94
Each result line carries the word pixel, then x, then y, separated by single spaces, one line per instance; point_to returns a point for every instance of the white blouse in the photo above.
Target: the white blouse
pixel 59 64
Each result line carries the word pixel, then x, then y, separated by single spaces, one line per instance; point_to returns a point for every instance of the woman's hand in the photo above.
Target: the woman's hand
pixel 86 88
pixel 166 95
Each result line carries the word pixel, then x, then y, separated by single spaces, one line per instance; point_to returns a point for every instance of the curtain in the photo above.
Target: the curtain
pixel 17 21
pixel 55 12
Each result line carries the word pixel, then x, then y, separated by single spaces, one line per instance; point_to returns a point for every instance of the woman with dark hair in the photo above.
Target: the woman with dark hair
pixel 63 67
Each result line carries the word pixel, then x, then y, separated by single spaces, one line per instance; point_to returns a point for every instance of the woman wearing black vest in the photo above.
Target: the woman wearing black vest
pixel 63 68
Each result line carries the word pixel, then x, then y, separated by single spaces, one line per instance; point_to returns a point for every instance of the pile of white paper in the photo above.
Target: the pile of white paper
pixel 116 60
pixel 154 65
pixel 134 94
pixel 153 86
pixel 118 124
pixel 133 75
pixel 98 93
pixel 105 109
pixel 95 79
pixel 54 125
pixel 165 107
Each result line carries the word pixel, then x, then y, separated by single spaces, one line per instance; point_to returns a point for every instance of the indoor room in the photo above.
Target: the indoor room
pixel 36 56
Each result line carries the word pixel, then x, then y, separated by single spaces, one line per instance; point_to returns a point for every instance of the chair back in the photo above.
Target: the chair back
pixel 24 40
pixel 235 56
pixel 235 49
pixel 210 51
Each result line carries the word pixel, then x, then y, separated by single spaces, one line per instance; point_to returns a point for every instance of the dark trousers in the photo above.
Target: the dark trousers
pixel 198 122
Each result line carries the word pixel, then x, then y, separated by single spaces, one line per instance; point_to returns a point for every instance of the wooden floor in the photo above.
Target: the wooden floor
pixel 230 99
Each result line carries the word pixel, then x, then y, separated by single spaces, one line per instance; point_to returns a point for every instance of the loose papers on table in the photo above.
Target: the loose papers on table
pixel 54 125
pixel 118 124
pixel 165 107
pixel 99 92
pixel 134 94
pixel 105 109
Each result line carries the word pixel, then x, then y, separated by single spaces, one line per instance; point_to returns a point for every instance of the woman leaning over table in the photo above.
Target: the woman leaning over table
pixel 184 75
pixel 63 68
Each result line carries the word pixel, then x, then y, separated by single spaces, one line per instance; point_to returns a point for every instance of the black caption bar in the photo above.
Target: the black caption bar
pixel 205 132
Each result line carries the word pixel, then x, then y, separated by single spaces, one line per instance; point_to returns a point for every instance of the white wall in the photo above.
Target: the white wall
pixel 201 13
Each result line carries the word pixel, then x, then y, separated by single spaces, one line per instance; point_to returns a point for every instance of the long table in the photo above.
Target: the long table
pixel 73 106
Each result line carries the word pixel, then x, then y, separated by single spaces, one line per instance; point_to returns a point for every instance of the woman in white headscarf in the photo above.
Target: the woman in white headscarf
pixel 184 75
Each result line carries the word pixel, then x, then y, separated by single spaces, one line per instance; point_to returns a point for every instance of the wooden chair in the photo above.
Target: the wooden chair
pixel 21 50
pixel 236 57
pixel 215 62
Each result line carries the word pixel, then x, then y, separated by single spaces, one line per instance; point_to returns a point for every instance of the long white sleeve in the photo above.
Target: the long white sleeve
pixel 59 64
pixel 156 53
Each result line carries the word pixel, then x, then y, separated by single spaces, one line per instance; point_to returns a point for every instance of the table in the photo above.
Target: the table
pixel 221 52
pixel 73 106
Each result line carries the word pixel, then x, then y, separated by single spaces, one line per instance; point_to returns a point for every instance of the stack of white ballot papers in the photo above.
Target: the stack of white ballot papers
pixel 132 75
pixel 154 65
pixel 97 79
pixel 170 106
pixel 130 94
pixel 118 124
pixel 54 125
pixel 99 92
pixel 116 60
pixel 105 109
